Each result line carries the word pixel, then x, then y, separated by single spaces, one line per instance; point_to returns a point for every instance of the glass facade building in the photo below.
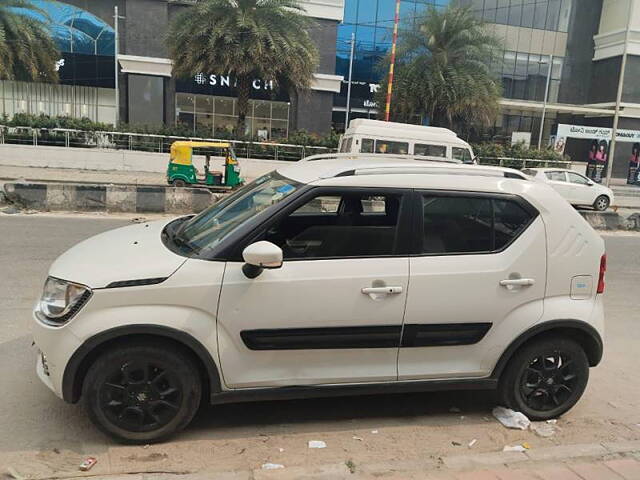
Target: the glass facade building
pixel 534 33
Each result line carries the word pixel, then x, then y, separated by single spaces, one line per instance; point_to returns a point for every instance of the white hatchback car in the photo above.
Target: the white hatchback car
pixel 329 278
pixel 577 189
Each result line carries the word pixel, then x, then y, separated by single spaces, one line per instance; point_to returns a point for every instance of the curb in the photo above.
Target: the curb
pixel 612 220
pixel 108 198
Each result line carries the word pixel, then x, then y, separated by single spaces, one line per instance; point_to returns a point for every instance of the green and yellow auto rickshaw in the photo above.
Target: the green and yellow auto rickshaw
pixel 181 171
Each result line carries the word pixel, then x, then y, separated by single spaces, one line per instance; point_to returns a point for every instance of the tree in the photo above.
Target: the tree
pixel 443 70
pixel 27 50
pixel 246 39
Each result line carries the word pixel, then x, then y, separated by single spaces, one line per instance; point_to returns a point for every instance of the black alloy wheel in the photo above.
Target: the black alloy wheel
pixel 141 393
pixel 545 378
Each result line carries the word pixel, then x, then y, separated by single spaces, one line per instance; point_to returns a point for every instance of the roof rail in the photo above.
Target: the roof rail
pixel 432 169
pixel 381 156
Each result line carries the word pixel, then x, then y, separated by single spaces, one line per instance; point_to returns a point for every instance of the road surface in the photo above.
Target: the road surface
pixel 410 427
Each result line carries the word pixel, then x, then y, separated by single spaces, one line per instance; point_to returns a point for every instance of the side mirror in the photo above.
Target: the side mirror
pixel 261 255
pixel 590 183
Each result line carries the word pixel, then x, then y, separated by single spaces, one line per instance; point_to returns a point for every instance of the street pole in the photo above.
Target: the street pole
pixel 616 115
pixel 393 61
pixel 116 17
pixel 346 117
pixel 546 99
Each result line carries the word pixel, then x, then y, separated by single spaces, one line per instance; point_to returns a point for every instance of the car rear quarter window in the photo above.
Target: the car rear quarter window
pixel 470 224
pixel 461 154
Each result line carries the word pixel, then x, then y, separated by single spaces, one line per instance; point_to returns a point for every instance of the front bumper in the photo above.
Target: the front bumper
pixel 57 344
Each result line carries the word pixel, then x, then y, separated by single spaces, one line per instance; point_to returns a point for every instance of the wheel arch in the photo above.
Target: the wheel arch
pixel 587 336
pixel 79 363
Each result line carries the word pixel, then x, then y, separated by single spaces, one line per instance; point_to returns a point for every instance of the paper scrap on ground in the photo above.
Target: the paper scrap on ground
pixel 514 448
pixel 271 466
pixel 511 419
pixel 472 442
pixel 543 429
pixel 317 444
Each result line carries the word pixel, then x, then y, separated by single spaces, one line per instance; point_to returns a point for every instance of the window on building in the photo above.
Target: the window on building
pixel 338 226
pixel 430 150
pixel 218 116
pixel 146 99
pixel 387 146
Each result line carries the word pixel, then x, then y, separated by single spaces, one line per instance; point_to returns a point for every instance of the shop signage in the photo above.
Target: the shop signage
pixel 228 81
pixel 599 133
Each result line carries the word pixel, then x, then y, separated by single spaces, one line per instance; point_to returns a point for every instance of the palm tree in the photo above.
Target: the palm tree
pixel 27 51
pixel 247 39
pixel 443 70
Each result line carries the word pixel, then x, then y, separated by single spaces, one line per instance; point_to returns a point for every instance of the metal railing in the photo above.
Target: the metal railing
pixel 521 163
pixel 146 142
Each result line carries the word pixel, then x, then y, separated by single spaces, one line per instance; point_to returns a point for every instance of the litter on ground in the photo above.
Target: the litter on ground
pixel 543 429
pixel 472 442
pixel 514 448
pixel 317 444
pixel 271 466
pixel 511 419
pixel 374 431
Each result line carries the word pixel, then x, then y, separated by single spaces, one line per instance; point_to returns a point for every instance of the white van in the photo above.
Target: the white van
pixel 375 136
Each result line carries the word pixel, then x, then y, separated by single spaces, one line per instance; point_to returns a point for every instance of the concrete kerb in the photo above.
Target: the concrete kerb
pixel 107 198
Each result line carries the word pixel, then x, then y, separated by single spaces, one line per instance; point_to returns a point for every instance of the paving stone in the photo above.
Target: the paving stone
pixel 594 471
pixel 477 475
pixel 627 468
pixel 556 473
pixel 564 452
pixel 517 474
pixel 337 471
pixel 484 459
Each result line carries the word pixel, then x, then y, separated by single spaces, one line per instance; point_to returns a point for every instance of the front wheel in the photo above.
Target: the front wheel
pixel 601 203
pixel 545 378
pixel 142 393
pixel 178 182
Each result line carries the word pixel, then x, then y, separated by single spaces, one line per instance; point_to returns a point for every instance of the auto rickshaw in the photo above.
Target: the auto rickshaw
pixel 181 171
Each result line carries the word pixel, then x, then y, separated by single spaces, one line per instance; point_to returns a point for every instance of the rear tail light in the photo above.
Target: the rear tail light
pixel 603 269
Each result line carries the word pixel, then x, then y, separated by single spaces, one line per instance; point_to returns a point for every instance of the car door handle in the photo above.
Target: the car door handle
pixel 517 282
pixel 381 290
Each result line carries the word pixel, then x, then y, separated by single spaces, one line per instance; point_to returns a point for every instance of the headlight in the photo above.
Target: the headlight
pixel 61 300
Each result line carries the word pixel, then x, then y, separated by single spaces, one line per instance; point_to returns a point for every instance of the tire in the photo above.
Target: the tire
pixel 142 392
pixel 601 203
pixel 553 391
pixel 178 182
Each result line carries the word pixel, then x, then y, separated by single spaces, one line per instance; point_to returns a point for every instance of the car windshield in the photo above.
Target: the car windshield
pixel 213 224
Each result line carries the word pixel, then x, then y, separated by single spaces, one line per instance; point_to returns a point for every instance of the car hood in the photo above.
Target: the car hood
pixel 134 252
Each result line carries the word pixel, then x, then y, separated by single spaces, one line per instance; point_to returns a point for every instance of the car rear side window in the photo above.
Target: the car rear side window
pixel 556 176
pixel 430 150
pixel 470 224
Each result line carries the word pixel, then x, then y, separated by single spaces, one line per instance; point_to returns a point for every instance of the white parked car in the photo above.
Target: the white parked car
pixel 329 278
pixel 577 189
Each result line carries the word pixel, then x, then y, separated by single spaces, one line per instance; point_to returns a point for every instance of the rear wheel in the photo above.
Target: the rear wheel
pixel 141 393
pixel 178 182
pixel 545 378
pixel 601 203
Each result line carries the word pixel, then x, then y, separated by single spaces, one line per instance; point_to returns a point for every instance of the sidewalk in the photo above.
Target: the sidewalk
pixel 207 459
